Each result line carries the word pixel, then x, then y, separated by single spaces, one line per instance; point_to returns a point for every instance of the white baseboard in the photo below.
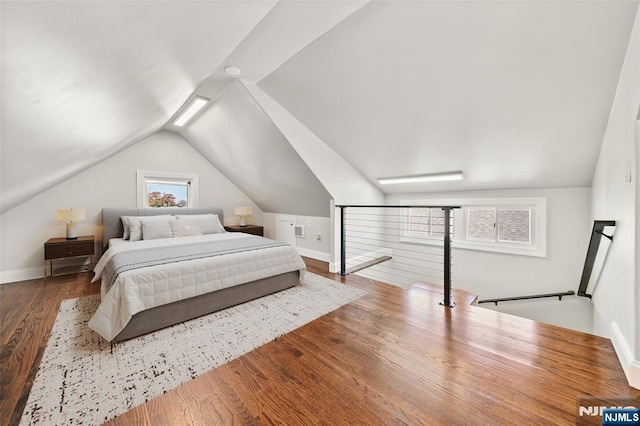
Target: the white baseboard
pixel 630 365
pixel 634 374
pixel 318 255
pixel 15 275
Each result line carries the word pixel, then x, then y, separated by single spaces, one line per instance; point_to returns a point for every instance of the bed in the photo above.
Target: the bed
pixel 149 284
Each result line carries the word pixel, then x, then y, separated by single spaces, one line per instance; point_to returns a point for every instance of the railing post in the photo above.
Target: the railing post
pixel 447 259
pixel 343 242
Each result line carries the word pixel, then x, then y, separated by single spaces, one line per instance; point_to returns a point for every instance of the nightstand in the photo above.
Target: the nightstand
pixel 61 248
pixel 249 229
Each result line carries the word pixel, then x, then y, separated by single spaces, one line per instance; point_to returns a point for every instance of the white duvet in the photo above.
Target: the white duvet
pixel 137 290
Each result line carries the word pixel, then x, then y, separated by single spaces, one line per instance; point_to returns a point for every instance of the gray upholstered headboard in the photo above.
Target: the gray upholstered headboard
pixel 112 225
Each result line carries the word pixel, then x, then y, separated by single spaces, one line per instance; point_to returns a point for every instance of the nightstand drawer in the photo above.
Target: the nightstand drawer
pixel 59 249
pixel 70 249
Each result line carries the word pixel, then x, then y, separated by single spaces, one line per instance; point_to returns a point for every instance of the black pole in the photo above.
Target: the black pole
pixel 343 243
pixel 447 259
pixel 592 252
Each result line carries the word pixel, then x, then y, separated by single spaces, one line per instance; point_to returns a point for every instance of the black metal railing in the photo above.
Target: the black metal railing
pixel 597 232
pixel 534 296
pixel 373 236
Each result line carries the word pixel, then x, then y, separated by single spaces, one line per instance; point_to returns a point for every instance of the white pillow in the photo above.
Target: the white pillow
pixel 152 229
pixel 208 223
pixel 126 223
pixel 135 226
pixel 184 228
pixel 135 231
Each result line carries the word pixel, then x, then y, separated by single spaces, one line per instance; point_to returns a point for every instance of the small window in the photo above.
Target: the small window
pixel 425 222
pixel 481 224
pixel 168 194
pixel 162 189
pixel 514 225
pixel 502 225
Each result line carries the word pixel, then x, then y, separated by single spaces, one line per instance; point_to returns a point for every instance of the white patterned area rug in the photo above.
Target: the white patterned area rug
pixel 80 381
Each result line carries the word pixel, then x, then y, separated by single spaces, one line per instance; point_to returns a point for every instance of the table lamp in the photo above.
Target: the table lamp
pixel 71 216
pixel 243 212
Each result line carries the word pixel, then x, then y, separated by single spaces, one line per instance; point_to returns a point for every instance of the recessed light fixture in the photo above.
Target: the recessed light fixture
pixel 432 177
pixel 231 70
pixel 187 114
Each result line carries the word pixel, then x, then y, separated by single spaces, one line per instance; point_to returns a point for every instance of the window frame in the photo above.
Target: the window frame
pixel 144 178
pixel 538 225
pixel 532 216
pixel 408 233
pixel 467 220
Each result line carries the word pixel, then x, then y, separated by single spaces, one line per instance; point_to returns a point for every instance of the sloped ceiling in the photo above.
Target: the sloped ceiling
pixel 83 80
pixel 515 94
pixel 239 140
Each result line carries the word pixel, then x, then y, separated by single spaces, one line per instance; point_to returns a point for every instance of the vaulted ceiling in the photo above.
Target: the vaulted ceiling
pixel 515 94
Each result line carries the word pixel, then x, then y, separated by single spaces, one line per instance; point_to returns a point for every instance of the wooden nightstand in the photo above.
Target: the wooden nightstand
pixel 61 248
pixel 249 229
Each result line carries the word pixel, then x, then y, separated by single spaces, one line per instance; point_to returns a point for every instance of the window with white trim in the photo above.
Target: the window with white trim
pixel 501 225
pixel 425 222
pixel 504 225
pixel 166 189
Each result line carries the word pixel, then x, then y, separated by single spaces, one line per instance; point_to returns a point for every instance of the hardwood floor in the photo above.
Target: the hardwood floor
pixel 28 310
pixel 394 356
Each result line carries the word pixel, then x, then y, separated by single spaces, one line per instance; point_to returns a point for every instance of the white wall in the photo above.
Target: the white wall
pixel 111 183
pixel 573 312
pixel 237 138
pixel 345 184
pixel 615 189
pixel 309 246
pixel 492 275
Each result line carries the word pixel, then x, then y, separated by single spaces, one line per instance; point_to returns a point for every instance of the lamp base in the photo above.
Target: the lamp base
pixel 243 221
pixel 72 231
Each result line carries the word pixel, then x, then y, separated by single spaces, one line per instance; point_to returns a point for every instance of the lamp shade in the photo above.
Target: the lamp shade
pixel 243 211
pixel 71 215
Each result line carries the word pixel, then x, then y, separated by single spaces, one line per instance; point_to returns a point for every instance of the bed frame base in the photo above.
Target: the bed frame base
pixel 183 310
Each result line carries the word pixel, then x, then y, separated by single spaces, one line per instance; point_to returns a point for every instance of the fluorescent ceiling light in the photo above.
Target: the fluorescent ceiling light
pixel 196 105
pixel 433 177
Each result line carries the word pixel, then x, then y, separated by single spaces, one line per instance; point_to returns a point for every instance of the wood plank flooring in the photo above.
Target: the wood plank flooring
pixel 394 356
pixel 28 310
